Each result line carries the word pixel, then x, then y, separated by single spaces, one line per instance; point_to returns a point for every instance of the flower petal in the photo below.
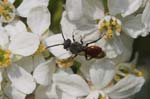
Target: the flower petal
pixel 126 87
pixel 127 49
pixel 27 5
pixel 13 93
pixel 76 9
pixel 39 20
pixel 11 1
pixel 46 92
pixel 1 78
pixel 146 16
pixel 31 62
pixel 3 38
pixel 102 72
pixel 26 63
pixel 57 51
pixel 72 84
pixel 21 79
pixel 124 7
pixel 85 66
pixel 67 96
pixel 133 26
pixel 37 59
pixel 112 48
pixel 24 44
pixel 15 27
pixel 87 31
pixel 94 9
pixel 44 71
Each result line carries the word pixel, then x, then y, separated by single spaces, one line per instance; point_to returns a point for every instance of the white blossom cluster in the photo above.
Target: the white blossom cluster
pixel 89 59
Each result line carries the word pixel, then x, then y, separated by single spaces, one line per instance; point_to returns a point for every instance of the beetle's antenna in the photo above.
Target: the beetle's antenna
pixel 63 35
pixel 95 40
pixel 73 36
pixel 54 45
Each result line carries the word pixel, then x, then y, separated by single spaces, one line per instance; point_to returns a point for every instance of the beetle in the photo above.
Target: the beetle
pixel 76 48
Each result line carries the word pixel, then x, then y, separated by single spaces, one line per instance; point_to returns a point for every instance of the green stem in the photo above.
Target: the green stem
pixel 105 5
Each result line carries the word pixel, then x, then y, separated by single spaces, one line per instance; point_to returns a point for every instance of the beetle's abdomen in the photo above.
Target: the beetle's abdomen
pixel 94 52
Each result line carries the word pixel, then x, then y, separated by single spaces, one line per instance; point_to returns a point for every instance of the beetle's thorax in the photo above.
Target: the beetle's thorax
pixel 76 48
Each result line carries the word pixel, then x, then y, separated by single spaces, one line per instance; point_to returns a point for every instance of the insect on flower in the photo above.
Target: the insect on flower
pixel 76 48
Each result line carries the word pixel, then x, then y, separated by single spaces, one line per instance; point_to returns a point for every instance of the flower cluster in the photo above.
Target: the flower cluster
pixel 89 59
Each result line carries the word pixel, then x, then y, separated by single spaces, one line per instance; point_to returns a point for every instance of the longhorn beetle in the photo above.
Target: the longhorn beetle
pixel 75 48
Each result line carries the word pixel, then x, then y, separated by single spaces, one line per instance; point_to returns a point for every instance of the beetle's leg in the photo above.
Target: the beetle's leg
pixel 87 58
pixel 75 55
pixel 81 40
pixel 73 38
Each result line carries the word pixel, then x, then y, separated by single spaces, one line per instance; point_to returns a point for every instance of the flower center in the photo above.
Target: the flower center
pixel 109 26
pixel 101 96
pixel 41 49
pixel 4 58
pixel 126 70
pixel 7 11
pixel 97 94
pixel 65 63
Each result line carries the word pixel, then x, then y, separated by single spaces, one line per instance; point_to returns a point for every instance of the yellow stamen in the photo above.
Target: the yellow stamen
pixel 102 97
pixel 101 30
pixel 107 24
pixel 6 11
pixel 5 60
pixel 41 49
pixel 102 25
pixel 110 26
pixel 139 73
pixel 1 63
pixel 133 67
pixel 5 2
pixel 109 32
pixel 65 63
pixel 113 22
pixel 118 28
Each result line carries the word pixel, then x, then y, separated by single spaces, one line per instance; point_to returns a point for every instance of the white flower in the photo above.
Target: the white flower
pixel 43 75
pixel 38 21
pixel 128 7
pixel 9 91
pixel 84 14
pixel 20 79
pixel 27 5
pixel 22 82
pixel 112 48
pixel 42 72
pixel 8 15
pixel 101 75
pixel 146 18
pixel 24 44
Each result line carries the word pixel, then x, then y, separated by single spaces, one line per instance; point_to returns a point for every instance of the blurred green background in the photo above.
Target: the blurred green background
pixel 141 45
